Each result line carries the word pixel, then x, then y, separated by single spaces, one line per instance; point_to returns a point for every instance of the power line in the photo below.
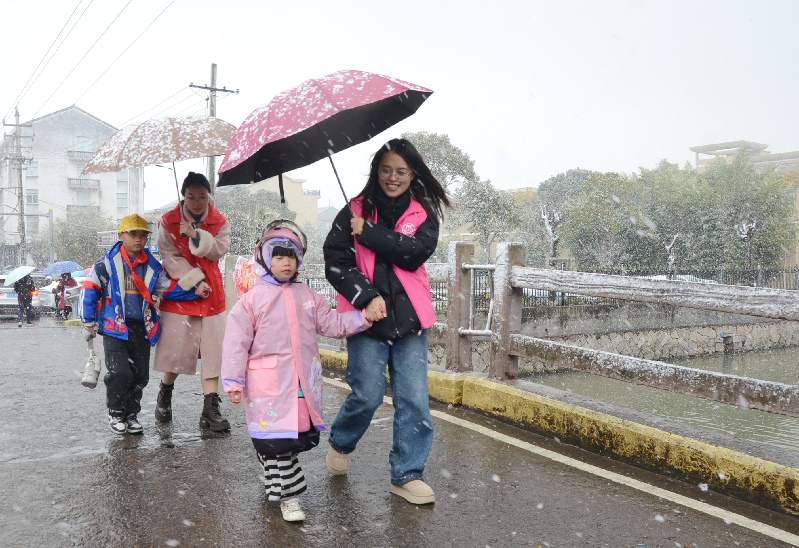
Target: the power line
pixel 25 88
pixel 82 58
pixel 63 153
pixel 62 43
pixel 151 108
pixel 175 105
pixel 60 153
pixel 123 53
pixel 204 109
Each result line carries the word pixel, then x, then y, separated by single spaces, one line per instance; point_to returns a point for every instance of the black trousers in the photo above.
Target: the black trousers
pixel 128 365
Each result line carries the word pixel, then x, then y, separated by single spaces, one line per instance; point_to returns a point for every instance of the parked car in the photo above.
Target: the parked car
pixel 47 294
pixel 9 306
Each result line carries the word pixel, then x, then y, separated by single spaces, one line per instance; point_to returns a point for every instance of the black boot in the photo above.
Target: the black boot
pixel 211 417
pixel 163 406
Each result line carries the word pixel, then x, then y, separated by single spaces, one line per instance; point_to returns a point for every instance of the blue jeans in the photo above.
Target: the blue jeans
pixel 366 374
pixel 25 310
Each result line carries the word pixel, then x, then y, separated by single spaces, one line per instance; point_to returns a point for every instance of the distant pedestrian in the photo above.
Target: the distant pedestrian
pixel 270 360
pixel 192 238
pixel 24 288
pixel 118 295
pixel 65 283
pixel 374 257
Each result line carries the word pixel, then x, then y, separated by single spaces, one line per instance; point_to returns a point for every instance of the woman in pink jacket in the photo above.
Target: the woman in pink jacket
pixel 270 361
pixel 374 257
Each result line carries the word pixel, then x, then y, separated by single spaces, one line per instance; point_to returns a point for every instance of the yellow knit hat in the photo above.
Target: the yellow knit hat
pixel 133 222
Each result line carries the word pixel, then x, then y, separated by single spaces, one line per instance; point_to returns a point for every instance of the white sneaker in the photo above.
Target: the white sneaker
pixel 291 509
pixel 133 424
pixel 116 421
pixel 19 324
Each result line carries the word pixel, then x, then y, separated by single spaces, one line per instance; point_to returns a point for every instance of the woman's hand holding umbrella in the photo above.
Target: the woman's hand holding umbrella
pixel 357 225
pixel 188 229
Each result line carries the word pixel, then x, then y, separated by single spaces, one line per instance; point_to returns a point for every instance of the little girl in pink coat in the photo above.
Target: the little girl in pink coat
pixel 270 361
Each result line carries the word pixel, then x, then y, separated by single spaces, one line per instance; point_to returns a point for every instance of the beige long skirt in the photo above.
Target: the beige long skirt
pixel 185 339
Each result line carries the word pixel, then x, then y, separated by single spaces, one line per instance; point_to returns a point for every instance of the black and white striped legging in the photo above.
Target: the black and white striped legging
pixel 283 477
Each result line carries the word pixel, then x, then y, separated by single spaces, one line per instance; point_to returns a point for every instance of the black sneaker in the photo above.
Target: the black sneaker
pixel 116 420
pixel 134 427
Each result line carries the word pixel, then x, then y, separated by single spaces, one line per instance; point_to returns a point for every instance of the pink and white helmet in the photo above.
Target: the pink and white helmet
pixel 283 233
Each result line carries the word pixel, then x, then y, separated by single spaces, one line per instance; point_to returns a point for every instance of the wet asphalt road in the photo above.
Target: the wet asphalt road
pixel 67 480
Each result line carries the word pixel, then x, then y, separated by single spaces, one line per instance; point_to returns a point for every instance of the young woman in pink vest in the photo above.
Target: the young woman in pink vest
pixel 192 238
pixel 374 258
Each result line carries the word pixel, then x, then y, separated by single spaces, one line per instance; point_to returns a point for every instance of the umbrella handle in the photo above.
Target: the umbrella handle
pixel 330 157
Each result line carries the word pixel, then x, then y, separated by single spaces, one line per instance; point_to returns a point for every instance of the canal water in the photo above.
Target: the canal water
pixel 778 365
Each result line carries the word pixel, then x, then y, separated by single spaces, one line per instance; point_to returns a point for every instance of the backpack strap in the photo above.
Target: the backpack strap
pixel 102 274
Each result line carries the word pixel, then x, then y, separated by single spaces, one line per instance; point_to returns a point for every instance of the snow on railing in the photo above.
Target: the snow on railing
pixel 507 344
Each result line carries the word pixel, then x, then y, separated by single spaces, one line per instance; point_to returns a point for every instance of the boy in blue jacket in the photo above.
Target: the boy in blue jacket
pixel 116 300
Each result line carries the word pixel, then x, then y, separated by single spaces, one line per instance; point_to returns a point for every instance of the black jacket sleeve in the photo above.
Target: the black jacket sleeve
pixel 340 268
pixel 406 252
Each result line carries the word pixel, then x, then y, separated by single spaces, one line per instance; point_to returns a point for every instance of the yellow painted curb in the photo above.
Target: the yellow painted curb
pixel 725 470
pixel 731 472
pixel 446 387
pixel 73 323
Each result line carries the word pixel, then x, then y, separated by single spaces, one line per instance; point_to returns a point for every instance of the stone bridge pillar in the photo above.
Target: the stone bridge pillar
pixel 459 347
pixel 506 314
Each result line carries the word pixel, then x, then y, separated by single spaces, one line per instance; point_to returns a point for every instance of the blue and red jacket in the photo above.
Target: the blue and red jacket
pixel 102 301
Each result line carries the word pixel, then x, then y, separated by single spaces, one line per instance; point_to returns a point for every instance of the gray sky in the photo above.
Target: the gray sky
pixel 527 89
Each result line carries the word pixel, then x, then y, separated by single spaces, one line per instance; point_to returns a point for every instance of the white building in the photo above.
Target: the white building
pixel 56 148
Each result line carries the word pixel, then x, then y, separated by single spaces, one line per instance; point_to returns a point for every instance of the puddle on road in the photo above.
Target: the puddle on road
pixel 777 365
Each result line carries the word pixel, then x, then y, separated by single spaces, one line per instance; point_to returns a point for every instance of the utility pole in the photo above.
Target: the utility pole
pixel 20 161
pixel 212 112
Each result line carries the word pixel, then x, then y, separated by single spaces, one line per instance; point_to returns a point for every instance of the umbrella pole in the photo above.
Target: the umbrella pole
pixel 280 186
pixel 340 185
pixel 175 173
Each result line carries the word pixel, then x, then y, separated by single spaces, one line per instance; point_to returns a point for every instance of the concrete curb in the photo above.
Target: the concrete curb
pixel 730 472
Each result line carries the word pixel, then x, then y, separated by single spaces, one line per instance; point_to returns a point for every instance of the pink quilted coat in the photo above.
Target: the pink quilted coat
pixel 270 350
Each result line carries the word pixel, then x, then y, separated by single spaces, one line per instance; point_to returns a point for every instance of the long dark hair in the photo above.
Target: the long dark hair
pixel 424 186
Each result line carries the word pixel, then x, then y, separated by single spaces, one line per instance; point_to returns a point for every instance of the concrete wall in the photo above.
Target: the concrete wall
pixel 651 344
pixel 563 321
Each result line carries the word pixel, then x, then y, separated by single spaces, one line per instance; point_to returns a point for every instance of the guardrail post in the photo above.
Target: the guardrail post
pixel 507 312
pixel 459 347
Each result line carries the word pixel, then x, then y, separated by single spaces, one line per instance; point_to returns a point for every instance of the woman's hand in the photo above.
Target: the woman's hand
pixel 203 290
pixel 187 228
pixel 90 329
pixel 376 309
pixel 235 397
pixel 357 225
